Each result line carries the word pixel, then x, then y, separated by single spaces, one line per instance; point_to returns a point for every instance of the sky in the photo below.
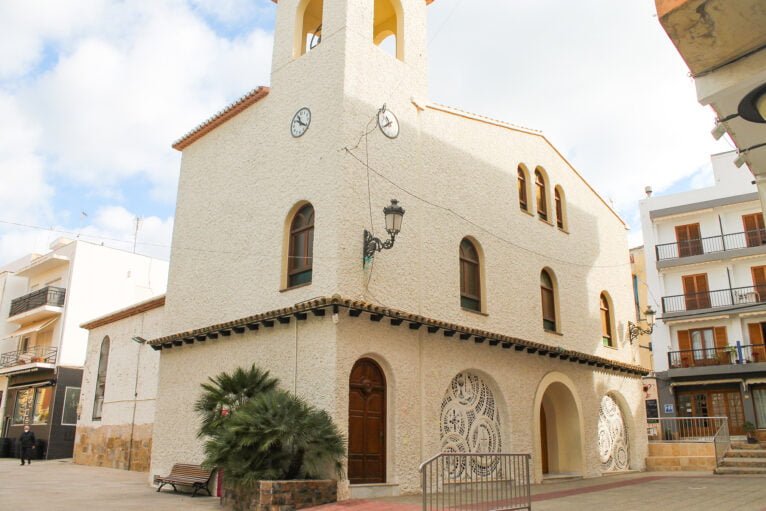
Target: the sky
pixel 94 92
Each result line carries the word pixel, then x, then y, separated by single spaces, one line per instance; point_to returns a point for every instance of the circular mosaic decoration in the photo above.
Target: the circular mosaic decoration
pixel 470 422
pixel 612 437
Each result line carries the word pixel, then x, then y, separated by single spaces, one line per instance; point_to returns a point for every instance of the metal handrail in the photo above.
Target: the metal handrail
pixel 45 354
pixel 727 355
pixel 710 244
pixel 684 429
pixel 49 295
pixel 747 295
pixel 722 442
pixel 476 481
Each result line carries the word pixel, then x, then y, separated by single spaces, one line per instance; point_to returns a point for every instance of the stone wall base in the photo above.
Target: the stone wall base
pixel 108 446
pixel 681 457
pixel 280 495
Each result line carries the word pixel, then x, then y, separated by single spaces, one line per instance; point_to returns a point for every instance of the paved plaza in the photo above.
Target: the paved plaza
pixel 63 486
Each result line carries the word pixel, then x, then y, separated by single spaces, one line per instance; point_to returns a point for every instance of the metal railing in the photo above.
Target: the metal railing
pixel 44 354
pixel 728 355
pixel 710 245
pixel 732 297
pixel 722 442
pixel 684 429
pixel 476 481
pixel 49 295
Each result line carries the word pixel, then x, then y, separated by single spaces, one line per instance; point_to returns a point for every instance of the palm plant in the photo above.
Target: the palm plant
pixel 275 435
pixel 226 392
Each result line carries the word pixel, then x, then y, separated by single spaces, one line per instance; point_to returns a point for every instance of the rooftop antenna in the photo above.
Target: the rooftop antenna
pixel 135 233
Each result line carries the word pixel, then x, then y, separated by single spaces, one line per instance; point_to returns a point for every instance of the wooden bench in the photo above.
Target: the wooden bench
pixel 187 475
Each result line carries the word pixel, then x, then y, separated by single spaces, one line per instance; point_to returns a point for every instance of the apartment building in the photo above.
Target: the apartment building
pixel 705 253
pixel 42 350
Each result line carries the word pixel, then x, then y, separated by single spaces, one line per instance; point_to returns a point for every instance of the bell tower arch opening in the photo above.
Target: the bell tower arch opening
pixel 309 26
pixel 387 27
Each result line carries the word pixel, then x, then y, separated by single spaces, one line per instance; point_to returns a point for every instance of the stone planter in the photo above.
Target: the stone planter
pixel 280 495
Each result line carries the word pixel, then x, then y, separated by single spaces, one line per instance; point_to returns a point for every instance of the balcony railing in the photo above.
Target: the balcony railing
pixel 727 355
pixel 43 354
pixel 684 429
pixel 46 296
pixel 748 295
pixel 710 245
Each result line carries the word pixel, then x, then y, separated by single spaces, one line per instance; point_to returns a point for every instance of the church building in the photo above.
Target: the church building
pixel 484 311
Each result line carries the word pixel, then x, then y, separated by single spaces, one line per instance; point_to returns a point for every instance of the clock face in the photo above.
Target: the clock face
pixel 300 122
pixel 388 123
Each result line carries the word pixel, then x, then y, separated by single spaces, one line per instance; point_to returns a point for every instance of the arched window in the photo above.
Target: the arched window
pixel 300 256
pixel 606 321
pixel 540 196
pixel 470 276
pixel 310 33
pixel 548 295
pixel 103 363
pixel 386 27
pixel 558 196
pixel 523 189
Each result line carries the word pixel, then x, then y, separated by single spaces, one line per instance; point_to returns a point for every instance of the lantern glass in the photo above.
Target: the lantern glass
pixel 394 214
pixel 649 313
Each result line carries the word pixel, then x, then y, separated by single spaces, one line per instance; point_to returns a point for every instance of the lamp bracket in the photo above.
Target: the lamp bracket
pixel 373 244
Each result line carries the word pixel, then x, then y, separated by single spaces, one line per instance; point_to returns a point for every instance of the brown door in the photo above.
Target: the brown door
pixel 754 231
pixel 712 403
pixel 688 240
pixel 696 293
pixel 757 349
pixel 543 440
pixel 722 357
pixel 367 424
pixel 759 282
pixel 685 358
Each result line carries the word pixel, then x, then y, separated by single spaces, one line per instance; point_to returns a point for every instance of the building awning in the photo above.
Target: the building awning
pixel 33 328
pixel 705 382
pixel 751 381
pixel 46 383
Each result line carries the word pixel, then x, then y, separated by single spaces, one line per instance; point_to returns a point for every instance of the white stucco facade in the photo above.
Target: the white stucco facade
pixel 456 175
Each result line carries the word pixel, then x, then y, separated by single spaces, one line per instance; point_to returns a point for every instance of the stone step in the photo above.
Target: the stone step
pixel 560 478
pixel 744 462
pixel 746 446
pixel 746 453
pixel 739 471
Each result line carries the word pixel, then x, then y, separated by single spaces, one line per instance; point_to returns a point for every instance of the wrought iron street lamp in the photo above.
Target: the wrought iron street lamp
pixel 393 214
pixel 634 330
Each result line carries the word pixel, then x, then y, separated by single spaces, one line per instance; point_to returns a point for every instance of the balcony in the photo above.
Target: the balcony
pixel 728 355
pixel 749 298
pixel 710 248
pixel 30 359
pixel 37 305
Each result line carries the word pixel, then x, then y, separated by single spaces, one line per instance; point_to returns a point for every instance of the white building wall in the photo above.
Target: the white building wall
pixel 722 273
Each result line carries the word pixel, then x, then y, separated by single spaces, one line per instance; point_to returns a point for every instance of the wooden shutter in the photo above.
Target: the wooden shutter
pixel 754 230
pixel 685 346
pixel 696 291
pixel 721 341
pixel 688 240
pixel 759 281
pixel 757 349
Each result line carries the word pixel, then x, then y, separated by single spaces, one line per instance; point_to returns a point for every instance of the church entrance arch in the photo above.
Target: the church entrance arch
pixel 560 445
pixel 367 423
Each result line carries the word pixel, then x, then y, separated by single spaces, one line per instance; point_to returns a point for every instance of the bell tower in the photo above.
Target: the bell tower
pixel 365 47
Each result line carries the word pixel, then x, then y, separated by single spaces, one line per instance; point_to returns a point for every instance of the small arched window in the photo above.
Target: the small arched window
pixel 310 33
pixel 559 199
pixel 540 196
pixel 300 256
pixel 548 296
pixel 470 276
pixel 386 27
pixel 606 321
pixel 103 363
pixel 523 190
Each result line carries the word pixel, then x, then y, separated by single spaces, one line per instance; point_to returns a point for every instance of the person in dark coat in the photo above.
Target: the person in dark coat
pixel 26 445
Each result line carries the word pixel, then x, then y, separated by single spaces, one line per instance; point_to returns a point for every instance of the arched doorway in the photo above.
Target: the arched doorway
pixel 560 437
pixel 367 423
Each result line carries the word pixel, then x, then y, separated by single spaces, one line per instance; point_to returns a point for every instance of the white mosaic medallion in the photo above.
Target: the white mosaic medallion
pixel 612 437
pixel 470 422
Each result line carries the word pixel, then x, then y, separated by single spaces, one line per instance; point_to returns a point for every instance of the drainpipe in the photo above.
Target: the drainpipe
pixel 723 238
pixel 731 290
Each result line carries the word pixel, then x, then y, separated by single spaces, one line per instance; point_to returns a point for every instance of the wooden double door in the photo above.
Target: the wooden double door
pixel 714 403
pixel 367 423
